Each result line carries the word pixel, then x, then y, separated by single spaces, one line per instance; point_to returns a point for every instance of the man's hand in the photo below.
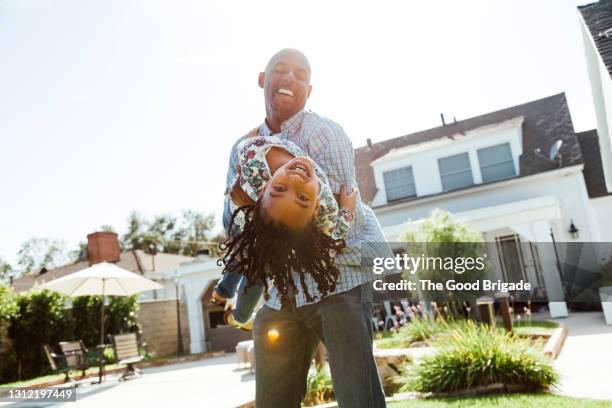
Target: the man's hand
pixel 240 198
pixel 347 200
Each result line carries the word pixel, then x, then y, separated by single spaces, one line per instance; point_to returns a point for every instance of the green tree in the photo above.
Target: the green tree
pixel 442 238
pixel 185 235
pixel 5 270
pixel 40 252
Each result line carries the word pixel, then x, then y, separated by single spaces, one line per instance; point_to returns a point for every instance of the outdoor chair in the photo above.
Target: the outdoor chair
pixel 389 316
pixel 75 354
pixel 126 351
pixel 58 363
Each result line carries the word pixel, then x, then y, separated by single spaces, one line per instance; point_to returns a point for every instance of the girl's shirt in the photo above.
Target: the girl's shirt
pixel 255 173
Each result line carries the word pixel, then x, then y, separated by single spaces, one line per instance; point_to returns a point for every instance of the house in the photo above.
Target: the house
pixel 104 246
pixel 522 176
pixel 207 329
pixel 157 314
pixel 596 23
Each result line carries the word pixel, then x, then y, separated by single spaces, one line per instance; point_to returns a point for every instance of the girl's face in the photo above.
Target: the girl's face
pixel 291 197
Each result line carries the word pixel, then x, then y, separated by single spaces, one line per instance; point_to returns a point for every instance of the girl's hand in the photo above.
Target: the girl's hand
pixel 346 200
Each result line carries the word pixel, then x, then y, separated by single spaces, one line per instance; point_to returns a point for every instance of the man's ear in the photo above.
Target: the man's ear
pixel 309 90
pixel 260 80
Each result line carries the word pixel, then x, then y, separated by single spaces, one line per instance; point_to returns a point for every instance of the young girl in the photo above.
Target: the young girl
pixel 293 226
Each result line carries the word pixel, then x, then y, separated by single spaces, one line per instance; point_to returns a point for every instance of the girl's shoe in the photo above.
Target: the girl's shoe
pixel 230 321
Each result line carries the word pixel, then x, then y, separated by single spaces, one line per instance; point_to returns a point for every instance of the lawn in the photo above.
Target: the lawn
pixel 75 375
pixel 505 401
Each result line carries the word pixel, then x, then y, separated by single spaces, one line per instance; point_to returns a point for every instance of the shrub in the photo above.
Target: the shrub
pixel 319 387
pixel 475 356
pixel 40 318
pixel 119 317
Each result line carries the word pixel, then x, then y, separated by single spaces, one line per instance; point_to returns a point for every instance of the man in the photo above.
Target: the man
pixel 342 321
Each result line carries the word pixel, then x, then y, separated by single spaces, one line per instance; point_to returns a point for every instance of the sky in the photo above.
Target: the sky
pixel 109 107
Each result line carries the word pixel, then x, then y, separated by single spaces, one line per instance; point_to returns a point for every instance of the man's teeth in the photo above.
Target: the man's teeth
pixel 285 92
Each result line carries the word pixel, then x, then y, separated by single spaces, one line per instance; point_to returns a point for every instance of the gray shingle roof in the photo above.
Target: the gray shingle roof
pixel 545 121
pixel 598 18
pixel 593 168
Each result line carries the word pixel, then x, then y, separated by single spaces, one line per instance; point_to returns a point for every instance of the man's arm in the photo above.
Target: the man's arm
pixel 332 150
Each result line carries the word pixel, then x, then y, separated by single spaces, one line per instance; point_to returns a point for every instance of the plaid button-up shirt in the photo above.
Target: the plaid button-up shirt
pixel 328 145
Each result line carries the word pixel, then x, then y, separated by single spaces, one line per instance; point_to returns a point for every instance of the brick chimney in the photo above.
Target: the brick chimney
pixel 102 246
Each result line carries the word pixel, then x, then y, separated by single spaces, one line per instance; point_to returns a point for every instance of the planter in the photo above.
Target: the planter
pixel 605 293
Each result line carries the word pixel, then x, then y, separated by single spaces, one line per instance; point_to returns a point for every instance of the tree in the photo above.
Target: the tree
pixel 186 234
pixel 5 270
pixel 448 244
pixel 39 252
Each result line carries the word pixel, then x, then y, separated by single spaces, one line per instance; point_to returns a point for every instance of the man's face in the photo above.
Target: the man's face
pixel 286 84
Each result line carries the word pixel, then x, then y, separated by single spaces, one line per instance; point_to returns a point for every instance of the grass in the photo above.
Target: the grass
pixel 75 375
pixel 533 328
pixel 505 401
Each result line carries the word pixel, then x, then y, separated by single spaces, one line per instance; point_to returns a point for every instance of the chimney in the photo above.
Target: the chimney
pixel 442 117
pixel 102 247
pixel 369 142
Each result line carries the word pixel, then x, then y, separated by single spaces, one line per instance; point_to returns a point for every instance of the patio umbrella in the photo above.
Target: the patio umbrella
pixel 102 279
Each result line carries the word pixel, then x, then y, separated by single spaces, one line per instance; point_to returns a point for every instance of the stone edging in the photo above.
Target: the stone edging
pixel 555 342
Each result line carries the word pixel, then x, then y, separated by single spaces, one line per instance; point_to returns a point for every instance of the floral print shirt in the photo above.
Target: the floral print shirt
pixel 255 172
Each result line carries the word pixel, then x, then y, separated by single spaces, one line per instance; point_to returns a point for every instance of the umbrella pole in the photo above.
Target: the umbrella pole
pixel 101 346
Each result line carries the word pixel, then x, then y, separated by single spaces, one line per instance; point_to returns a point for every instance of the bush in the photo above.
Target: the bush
pixel 119 317
pixel 319 387
pixel 40 318
pixel 475 356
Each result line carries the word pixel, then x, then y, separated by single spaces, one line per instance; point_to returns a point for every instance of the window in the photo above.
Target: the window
pixel 496 162
pixel 455 172
pixel 399 183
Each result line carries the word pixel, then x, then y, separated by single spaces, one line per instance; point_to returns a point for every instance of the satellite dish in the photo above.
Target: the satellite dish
pixel 555 150
pixel 554 154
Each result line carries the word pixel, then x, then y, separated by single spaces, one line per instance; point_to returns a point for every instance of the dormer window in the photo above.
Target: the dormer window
pixel 399 183
pixel 496 163
pixel 455 172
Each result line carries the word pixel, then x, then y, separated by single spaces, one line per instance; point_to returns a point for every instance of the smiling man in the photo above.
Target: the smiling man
pixel 342 320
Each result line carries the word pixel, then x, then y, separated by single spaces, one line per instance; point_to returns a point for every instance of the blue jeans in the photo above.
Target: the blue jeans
pixel 343 323
pixel 247 298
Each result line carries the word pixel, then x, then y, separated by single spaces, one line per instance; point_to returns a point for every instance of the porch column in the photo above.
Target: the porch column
pixel 550 270
pixel 194 313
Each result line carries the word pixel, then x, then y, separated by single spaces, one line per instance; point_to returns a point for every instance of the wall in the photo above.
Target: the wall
pixel 423 158
pixel 566 185
pixel 601 88
pixel 157 319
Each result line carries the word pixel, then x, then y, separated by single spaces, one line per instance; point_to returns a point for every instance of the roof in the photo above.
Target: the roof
pixel 598 19
pixel 544 122
pixel 136 261
pixel 593 167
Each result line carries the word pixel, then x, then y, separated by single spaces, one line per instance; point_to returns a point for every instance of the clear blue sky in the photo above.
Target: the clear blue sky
pixel 112 106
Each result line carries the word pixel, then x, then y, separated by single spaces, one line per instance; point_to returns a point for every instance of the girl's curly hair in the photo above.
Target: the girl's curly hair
pixel 266 249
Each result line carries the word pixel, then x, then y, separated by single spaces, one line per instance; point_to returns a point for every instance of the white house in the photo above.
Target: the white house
pixel 596 19
pixel 207 330
pixel 518 175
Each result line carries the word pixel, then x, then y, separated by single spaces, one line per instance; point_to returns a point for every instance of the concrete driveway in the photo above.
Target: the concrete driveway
pixel 215 382
pixel 585 362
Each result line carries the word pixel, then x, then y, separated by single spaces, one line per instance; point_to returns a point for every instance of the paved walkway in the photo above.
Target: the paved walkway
pixel 585 362
pixel 215 382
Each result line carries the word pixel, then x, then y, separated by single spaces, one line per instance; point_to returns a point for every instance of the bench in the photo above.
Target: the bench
pixel 126 351
pixel 75 354
pixel 57 362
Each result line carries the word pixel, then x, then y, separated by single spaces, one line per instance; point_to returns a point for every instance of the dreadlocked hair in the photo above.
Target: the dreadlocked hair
pixel 266 249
